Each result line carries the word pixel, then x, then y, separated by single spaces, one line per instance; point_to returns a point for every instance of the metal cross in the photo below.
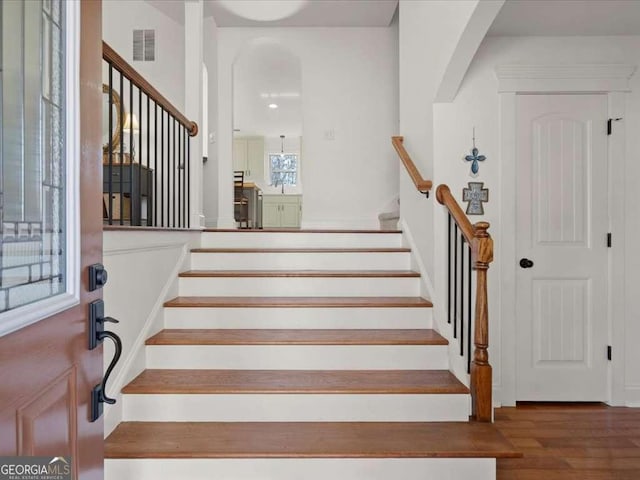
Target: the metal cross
pixel 475 195
pixel 474 158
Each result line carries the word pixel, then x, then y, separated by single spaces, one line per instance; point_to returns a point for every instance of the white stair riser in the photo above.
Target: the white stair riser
pixel 300 240
pixel 299 357
pixel 315 318
pixel 302 468
pixel 299 286
pixel 296 408
pixel 301 261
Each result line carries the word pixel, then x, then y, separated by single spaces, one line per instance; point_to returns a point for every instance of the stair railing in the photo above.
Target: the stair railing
pixel 423 186
pixel 470 248
pixel 146 153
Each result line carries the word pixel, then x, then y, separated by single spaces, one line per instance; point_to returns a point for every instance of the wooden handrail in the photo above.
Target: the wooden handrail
pixel 482 255
pixel 111 56
pixel 421 184
pixel 444 197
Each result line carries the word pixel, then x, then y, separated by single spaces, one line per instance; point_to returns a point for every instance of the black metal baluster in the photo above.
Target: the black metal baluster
pixel 449 267
pixel 168 158
pixel 121 209
pixel 140 170
pixel 462 295
pixel 469 313
pixel 155 163
pixel 110 180
pixel 168 167
pixel 161 167
pixel 132 198
pixel 179 176
pixel 174 172
pixel 184 175
pixel 455 281
pixel 148 173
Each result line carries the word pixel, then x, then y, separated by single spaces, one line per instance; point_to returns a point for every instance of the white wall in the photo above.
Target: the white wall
pixel 121 17
pixel 429 33
pixel 142 268
pixel 350 86
pixel 210 168
pixel 477 104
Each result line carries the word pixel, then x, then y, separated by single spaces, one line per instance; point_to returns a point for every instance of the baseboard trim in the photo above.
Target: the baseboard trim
pixel 632 396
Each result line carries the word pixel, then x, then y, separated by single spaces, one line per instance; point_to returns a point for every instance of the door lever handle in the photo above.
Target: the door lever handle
pixel 97 334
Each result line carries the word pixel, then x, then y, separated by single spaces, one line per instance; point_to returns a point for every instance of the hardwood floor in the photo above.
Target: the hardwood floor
pixel 570 442
pixel 296 381
pixel 301 302
pixel 306 440
pixel 302 273
pixel 229 336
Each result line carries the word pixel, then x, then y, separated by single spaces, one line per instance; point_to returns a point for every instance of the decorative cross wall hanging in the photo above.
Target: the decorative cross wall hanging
pixel 474 158
pixel 475 195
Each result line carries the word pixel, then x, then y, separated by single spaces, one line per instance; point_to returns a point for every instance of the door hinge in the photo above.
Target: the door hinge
pixel 610 124
pixel 609 352
pixel 609 240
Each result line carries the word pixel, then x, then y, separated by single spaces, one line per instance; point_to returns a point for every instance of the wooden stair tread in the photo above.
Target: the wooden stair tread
pixel 299 302
pixel 302 250
pixel 297 230
pixel 307 440
pixel 228 336
pixel 302 273
pixel 198 381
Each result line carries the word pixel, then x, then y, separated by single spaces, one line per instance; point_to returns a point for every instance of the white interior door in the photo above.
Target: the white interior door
pixel 562 326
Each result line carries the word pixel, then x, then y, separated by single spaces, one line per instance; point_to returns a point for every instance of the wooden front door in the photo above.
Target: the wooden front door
pixel 50 183
pixel 562 287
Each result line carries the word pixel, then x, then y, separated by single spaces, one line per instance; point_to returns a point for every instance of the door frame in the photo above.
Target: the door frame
pixel 613 81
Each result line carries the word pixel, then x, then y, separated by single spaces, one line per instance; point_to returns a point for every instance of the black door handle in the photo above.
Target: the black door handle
pixel 97 334
pixel 526 263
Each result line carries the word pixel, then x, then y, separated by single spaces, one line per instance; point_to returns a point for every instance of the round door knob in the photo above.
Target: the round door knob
pixel 526 263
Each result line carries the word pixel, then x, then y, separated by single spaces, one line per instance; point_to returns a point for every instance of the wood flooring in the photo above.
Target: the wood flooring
pixel 299 302
pixel 570 442
pixel 306 440
pixel 296 381
pixel 229 336
pixel 301 273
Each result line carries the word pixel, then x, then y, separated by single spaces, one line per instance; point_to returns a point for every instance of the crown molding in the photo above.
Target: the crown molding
pixel 564 78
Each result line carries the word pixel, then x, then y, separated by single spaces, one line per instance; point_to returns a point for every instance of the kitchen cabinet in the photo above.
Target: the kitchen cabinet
pixel 281 211
pixel 248 156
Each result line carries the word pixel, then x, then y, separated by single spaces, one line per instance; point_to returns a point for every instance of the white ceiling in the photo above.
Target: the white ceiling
pixel 568 17
pixel 302 13
pixel 172 8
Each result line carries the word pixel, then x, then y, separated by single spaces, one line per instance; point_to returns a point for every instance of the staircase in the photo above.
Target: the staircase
pixel 299 355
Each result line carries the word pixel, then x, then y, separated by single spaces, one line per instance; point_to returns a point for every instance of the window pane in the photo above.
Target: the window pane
pixel 284 168
pixel 32 152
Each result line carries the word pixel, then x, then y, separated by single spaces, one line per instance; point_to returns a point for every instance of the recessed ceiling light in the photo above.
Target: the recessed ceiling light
pixel 273 106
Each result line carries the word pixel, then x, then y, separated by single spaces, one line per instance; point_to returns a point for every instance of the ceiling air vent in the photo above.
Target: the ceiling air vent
pixel 144 45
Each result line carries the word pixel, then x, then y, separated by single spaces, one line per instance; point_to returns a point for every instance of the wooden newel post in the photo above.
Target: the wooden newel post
pixel 481 374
